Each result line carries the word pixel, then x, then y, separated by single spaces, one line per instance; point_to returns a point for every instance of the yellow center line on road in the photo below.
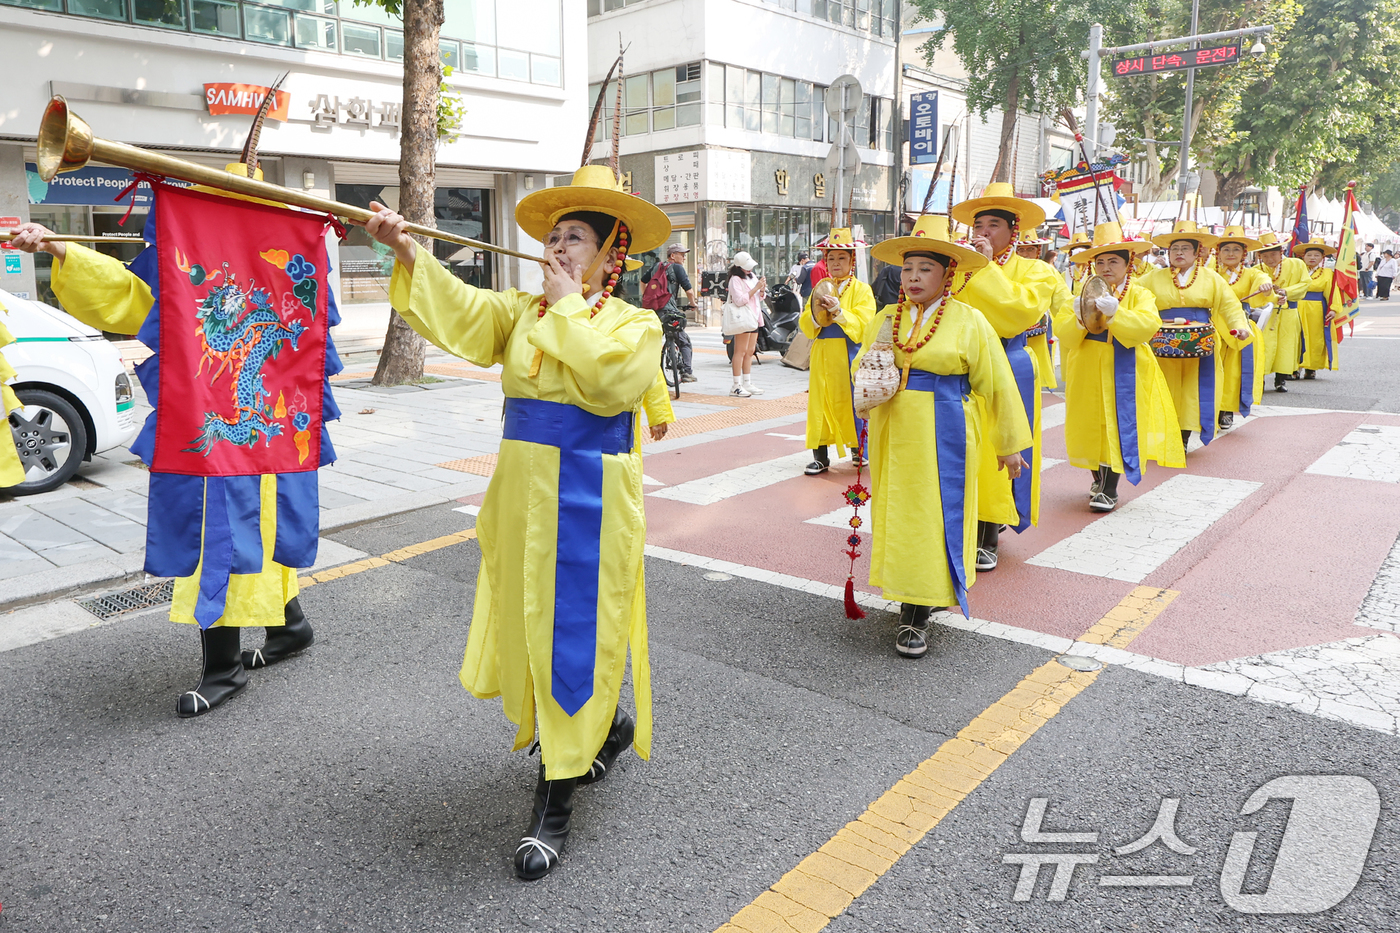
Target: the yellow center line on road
pixel 384 560
pixel 826 882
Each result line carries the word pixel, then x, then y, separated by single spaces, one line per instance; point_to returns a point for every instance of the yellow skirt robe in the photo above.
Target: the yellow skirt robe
pixel 830 416
pixel 1232 358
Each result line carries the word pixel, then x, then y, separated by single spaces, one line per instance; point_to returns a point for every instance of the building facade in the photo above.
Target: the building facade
pixel 159 73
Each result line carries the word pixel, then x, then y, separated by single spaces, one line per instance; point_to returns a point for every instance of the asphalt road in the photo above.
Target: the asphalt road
pixel 360 788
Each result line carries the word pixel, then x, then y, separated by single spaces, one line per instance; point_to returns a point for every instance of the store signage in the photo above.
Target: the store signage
pixel 328 110
pixel 12 264
pixel 923 127
pixel 245 98
pixel 6 225
pixel 819 185
pixel 780 179
pixel 1177 61
pixel 704 175
pixel 91 185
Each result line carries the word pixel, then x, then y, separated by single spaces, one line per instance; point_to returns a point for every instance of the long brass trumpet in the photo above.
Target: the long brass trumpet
pixel 66 143
pixel 79 238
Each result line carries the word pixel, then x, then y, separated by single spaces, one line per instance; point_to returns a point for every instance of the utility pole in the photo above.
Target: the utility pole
pixel 1091 91
pixel 1185 150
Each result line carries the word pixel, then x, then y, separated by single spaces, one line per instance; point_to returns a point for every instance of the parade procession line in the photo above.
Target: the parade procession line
pixel 824 884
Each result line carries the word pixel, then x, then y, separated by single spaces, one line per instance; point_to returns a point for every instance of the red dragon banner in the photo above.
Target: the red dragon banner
pixel 242 336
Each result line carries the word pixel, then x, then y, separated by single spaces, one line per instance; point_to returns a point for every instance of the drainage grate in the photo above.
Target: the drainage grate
pixel 137 597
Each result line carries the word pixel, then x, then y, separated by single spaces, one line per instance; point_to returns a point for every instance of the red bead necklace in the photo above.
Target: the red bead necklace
pixel 937 319
pixel 1176 277
pixel 622 240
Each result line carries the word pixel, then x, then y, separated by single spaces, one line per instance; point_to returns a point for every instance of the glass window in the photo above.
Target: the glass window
pixel 159 12
pixel 479 59
pixel 214 17
pixel 663 118
pixel 528 25
pixel 770 103
pixel 787 106
pixel 315 33
pixel 887 124
pixel 106 9
pixel 370 14
pixel 802 110
pixel 714 93
pixel 862 14
pixel 393 45
pixel 544 70
pixel 513 65
pixel 687 114
pixel 57 7
pixel 472 20
pixel 264 25
pixel 734 97
pixel 753 101
pixel 818 113
pixel 862 127
pixel 451 53
pixel 359 40
pixel 306 6
pixel 663 87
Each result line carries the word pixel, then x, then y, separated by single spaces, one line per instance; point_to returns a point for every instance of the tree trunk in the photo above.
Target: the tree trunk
pixel 402 358
pixel 1002 171
pixel 1228 186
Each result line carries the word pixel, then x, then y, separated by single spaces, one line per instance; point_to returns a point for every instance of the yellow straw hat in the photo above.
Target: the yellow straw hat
pixel 840 238
pixel 930 236
pixel 1269 240
pixel 1314 243
pixel 1108 238
pixel 999 196
pixel 1186 230
pixel 1079 241
pixel 594 188
pixel 1235 234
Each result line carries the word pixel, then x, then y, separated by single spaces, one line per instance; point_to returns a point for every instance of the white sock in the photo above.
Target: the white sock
pixel 747 380
pixel 737 381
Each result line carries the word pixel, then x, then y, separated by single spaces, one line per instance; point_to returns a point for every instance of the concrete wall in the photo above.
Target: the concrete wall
pixel 14 202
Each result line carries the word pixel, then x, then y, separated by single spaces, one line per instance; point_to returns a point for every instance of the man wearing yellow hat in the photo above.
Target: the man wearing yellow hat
pixel 559 598
pixel 924 453
pixel 1015 295
pixel 1243 366
pixel 834 318
pixel 1118 410
pixel 1283 332
pixel 1315 309
pixel 1190 294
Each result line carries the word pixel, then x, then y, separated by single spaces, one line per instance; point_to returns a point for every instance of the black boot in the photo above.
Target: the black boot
pixel 1226 420
pixel 619 738
pixel 821 462
pixel 1106 499
pixel 283 641
pixel 544 839
pixel 1097 483
pixel 223 674
pixel 1185 439
pixel 1279 379
pixel 988 534
pixel 912 638
pixel 1309 374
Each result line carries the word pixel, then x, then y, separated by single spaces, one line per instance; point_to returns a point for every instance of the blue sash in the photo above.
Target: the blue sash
pixel 950 438
pixel 1125 404
pixel 582 439
pixel 834 332
pixel 1023 368
pixel 1321 299
pixel 1205 374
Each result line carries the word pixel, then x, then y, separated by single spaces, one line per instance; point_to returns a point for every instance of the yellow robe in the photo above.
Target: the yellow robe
pixel 1213 293
pixel 100 291
pixel 604 365
pixel 908 559
pixel 1040 346
pixel 1013 298
pixel 831 418
pixel 1091 388
pixel 1283 337
pixel 1316 334
pixel 1232 358
pixel 11 470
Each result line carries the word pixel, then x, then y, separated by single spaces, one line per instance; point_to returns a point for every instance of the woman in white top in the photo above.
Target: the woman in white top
pixel 1385 274
pixel 745 289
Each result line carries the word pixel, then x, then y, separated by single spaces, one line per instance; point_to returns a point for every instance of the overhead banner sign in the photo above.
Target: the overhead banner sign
pixel 704 175
pixel 245 98
pixel 96 186
pixel 1177 61
pixel 923 128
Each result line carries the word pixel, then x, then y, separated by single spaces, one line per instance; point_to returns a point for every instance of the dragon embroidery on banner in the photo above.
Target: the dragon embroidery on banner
pixel 239 332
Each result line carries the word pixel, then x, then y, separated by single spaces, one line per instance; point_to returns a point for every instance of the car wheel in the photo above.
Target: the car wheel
pixel 51 440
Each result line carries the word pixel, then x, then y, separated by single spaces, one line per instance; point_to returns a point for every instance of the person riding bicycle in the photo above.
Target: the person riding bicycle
pixel 676 281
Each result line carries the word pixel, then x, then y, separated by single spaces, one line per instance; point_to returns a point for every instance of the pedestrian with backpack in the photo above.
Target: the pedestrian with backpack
pixel 661 294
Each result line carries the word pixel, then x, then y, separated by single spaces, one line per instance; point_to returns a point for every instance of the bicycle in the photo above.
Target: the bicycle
pixel 672 323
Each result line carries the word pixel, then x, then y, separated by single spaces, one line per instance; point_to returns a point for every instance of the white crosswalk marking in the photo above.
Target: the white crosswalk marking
pixel 1139 537
pixel 1052 416
pixel 711 489
pixel 1372 451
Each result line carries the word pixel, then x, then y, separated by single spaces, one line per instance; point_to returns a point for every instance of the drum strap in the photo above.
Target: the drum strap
pixel 1205 375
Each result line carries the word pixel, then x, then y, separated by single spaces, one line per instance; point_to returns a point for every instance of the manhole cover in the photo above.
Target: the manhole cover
pixel 718 577
pixel 137 597
pixel 1079 662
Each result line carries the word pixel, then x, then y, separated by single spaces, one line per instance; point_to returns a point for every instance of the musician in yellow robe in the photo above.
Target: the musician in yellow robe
pixel 958 397
pixel 1187 290
pixel 560 596
pixel 1118 410
pixel 1014 294
pixel 1243 380
pixel 831 418
pixel 103 293
pixel 12 471
pixel 1317 308
pixel 1283 332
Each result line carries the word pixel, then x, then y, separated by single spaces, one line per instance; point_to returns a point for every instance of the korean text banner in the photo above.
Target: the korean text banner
pixel 242 336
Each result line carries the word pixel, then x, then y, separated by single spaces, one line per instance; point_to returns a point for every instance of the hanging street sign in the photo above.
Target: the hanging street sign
pixel 1177 61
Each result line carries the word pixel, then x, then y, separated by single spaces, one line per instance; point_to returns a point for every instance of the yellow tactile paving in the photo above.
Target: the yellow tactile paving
pixel 384 560
pixel 826 882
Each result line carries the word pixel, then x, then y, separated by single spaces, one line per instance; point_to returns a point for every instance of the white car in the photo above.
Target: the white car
pixel 77 397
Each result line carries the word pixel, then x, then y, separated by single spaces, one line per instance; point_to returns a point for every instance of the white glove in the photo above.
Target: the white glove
pixel 1264 312
pixel 1079 311
pixel 837 313
pixel 1107 305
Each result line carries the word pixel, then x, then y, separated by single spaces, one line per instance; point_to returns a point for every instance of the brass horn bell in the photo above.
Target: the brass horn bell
pixel 65 140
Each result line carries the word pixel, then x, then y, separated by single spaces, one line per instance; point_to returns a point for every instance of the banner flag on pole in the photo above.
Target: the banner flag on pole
pixel 1301 231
